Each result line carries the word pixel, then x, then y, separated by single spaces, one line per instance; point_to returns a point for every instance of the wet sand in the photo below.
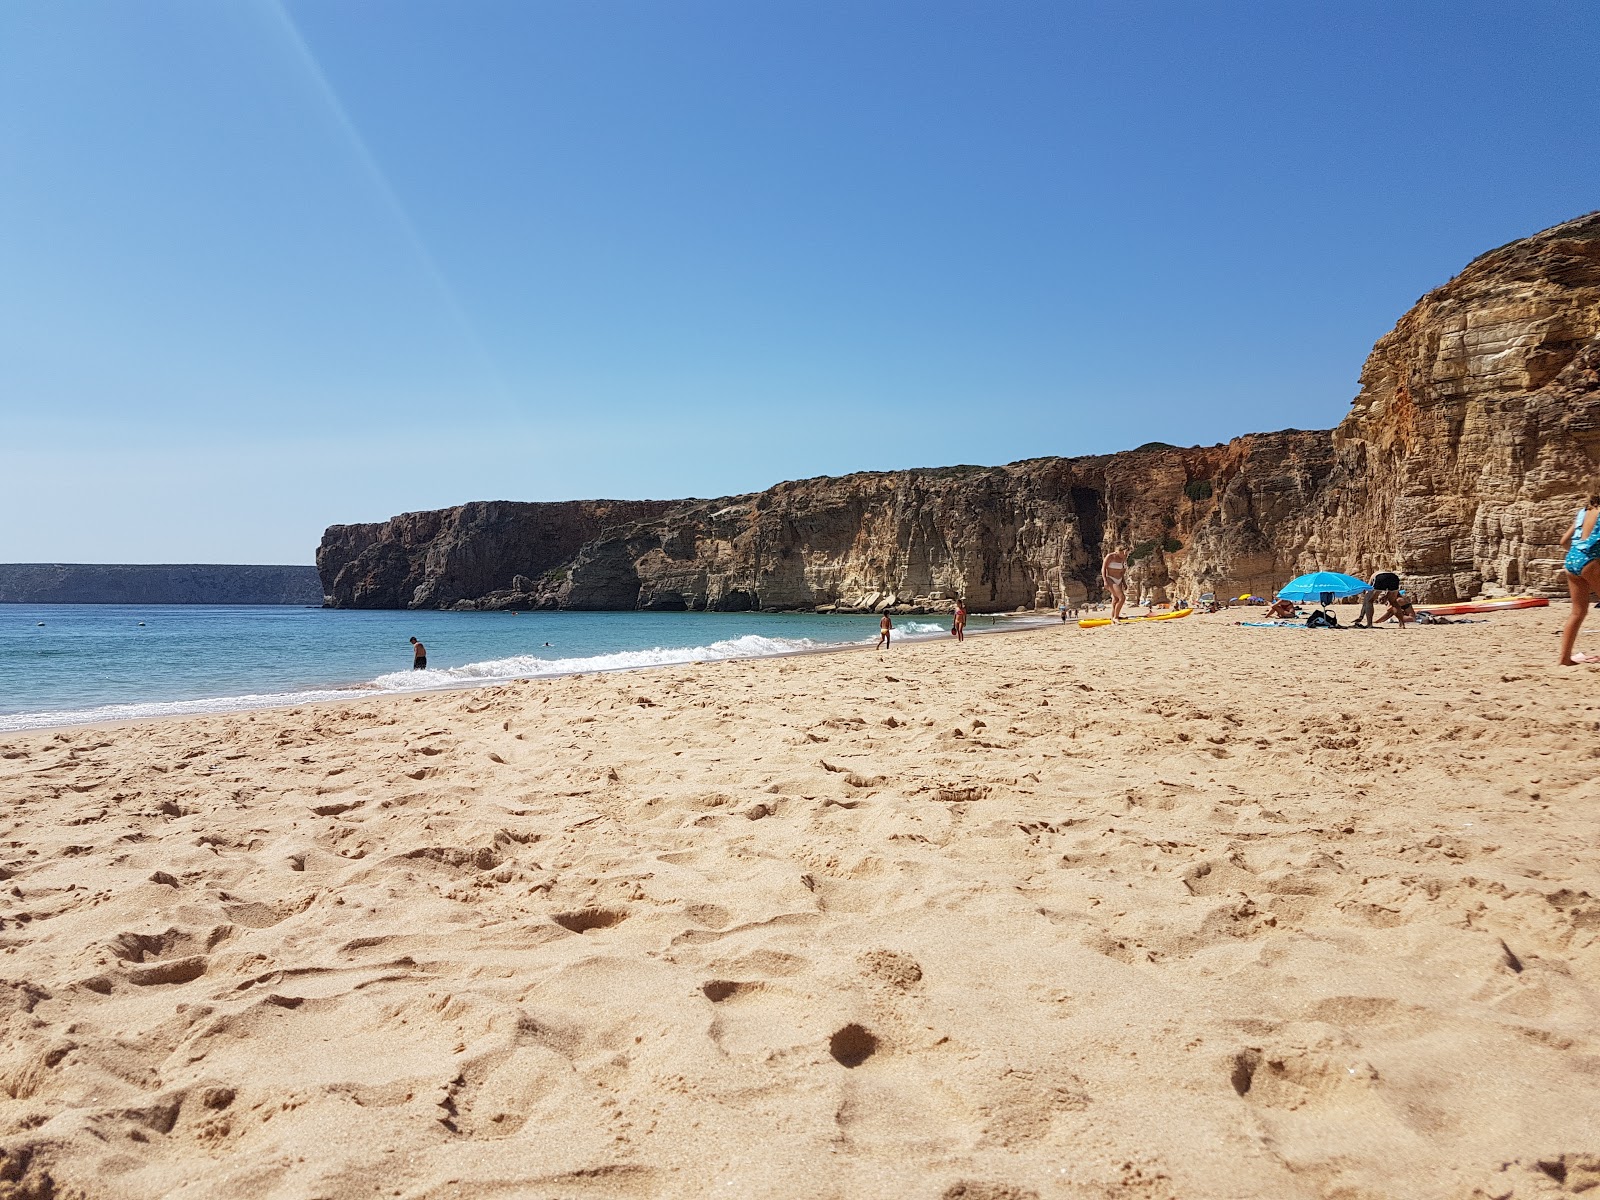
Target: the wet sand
pixel 1180 909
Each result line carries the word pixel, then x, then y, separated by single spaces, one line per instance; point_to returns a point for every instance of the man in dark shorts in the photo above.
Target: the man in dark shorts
pixel 1385 587
pixel 419 656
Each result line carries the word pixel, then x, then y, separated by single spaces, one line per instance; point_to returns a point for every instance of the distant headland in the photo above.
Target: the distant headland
pixel 165 583
pixel 1476 426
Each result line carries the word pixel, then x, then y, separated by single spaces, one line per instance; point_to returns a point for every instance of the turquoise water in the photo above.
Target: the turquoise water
pixel 66 664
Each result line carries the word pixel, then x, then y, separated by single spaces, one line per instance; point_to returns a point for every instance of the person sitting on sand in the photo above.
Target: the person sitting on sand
pixel 419 656
pixel 1582 567
pixel 1400 609
pixel 958 625
pixel 1282 608
pixel 1112 568
pixel 884 627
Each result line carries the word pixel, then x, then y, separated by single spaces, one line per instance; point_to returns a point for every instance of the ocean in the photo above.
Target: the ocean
pixel 68 664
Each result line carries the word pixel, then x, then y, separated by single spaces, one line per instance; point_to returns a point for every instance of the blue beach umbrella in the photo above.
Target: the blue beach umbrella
pixel 1323 586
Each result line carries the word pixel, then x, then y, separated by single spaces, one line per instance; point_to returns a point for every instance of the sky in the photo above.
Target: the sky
pixel 266 267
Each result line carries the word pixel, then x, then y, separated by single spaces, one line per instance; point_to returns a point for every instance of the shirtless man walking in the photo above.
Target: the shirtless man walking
pixel 884 626
pixel 419 656
pixel 1112 569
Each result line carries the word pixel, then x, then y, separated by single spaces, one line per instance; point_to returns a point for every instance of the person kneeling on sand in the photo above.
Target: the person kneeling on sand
pixel 1385 587
pixel 884 627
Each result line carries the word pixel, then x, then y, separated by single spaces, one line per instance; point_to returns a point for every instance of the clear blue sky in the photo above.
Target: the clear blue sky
pixel 268 267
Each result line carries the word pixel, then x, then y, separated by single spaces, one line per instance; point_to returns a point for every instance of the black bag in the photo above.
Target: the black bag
pixel 1322 619
pixel 1386 581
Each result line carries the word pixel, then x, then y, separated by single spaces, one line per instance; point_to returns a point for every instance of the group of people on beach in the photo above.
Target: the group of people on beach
pixel 958 626
pixel 1581 567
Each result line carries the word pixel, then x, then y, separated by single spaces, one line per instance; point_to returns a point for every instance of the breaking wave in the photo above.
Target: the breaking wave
pixel 521 666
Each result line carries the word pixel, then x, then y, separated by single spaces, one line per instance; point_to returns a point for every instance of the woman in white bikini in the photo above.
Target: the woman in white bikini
pixel 1583 575
pixel 1112 569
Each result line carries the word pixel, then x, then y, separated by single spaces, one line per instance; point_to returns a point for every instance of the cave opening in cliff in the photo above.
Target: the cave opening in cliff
pixel 1090 507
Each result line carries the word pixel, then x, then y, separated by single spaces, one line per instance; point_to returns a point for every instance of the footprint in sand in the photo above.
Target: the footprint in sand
pixel 719 990
pixel 852 1044
pixel 891 967
pixel 585 920
pixel 970 1189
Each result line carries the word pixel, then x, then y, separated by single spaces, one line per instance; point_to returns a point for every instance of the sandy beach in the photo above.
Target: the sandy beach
pixel 1175 910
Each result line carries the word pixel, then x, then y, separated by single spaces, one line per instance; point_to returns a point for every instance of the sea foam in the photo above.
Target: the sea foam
pixel 521 666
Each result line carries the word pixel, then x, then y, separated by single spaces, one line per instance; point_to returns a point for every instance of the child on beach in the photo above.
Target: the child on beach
pixel 884 628
pixel 1582 566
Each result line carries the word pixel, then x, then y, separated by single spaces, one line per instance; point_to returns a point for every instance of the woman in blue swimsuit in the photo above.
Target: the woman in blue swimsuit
pixel 1583 575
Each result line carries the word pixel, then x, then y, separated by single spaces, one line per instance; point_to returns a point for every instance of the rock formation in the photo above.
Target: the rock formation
pixel 179 583
pixel 452 557
pixel 1476 427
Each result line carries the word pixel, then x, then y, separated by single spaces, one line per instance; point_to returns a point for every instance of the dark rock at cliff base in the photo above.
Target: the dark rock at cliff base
pixel 180 583
pixel 1476 428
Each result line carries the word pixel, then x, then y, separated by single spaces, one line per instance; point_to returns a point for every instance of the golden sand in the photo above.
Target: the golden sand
pixel 1177 910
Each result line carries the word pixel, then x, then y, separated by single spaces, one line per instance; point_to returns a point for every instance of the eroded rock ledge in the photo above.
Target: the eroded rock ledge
pixel 1476 427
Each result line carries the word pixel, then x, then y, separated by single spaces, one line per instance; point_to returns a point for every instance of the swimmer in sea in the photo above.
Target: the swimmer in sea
pixel 1582 568
pixel 884 628
pixel 419 656
pixel 1112 568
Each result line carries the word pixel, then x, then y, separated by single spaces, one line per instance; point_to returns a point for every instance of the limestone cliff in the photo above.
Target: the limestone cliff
pixel 1477 424
pixel 450 557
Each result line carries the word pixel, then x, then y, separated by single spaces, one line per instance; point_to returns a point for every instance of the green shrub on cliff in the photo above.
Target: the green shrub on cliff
pixel 1198 490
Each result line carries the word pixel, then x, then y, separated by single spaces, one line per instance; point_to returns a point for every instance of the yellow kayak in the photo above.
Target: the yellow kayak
pixel 1092 622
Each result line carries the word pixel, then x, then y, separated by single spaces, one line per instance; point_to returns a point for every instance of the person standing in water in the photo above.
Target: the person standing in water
pixel 958 626
pixel 419 656
pixel 1112 569
pixel 884 628
pixel 1582 566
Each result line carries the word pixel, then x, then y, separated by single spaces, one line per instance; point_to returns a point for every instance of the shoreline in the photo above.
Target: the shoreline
pixel 345 693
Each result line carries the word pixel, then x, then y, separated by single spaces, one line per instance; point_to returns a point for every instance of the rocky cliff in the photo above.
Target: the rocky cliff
pixel 1476 426
pixel 452 557
pixel 179 583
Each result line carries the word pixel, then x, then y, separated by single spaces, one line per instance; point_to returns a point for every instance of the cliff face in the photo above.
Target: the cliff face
pixel 184 583
pixel 1029 534
pixel 1478 422
pixel 1477 425
pixel 442 558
